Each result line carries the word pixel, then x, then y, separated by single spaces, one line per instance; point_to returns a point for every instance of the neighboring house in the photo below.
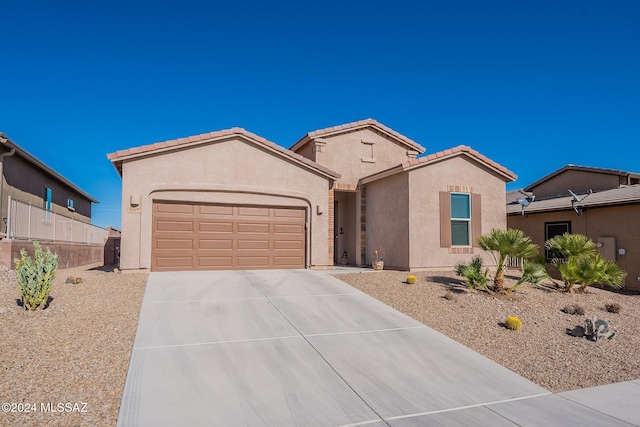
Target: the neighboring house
pixel 36 192
pixel 605 206
pixel 233 200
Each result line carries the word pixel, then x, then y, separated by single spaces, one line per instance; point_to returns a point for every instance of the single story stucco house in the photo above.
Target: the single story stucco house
pixel 233 200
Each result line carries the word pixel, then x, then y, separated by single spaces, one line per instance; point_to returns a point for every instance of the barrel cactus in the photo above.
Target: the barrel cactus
pixel 412 280
pixel 35 276
pixel 513 323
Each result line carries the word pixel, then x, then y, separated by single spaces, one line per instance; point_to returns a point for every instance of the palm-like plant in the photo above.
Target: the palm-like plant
pixel 532 272
pixel 503 244
pixel 579 263
pixel 570 245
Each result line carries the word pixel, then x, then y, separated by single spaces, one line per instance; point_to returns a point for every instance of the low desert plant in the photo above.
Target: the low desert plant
pixel 449 296
pixel 513 323
pixel 533 273
pixel 573 309
pixel 474 275
pixel 35 276
pixel 412 280
pixel 73 280
pixel 613 307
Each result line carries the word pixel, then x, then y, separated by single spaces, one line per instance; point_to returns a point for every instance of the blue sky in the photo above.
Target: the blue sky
pixel 533 85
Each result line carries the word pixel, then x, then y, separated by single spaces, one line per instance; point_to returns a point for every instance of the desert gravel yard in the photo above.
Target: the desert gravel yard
pixel 77 351
pixel 541 351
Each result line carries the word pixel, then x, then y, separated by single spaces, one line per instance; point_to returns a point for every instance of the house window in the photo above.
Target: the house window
pixel 70 205
pixel 368 152
pixel 460 219
pixel 553 229
pixel 48 196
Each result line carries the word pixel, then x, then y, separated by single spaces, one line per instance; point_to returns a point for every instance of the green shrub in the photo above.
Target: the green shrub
pixel 35 276
pixel 473 273
pixel 513 323
pixel 412 280
pixel 533 273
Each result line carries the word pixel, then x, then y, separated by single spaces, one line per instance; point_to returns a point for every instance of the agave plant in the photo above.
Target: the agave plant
pixel 502 244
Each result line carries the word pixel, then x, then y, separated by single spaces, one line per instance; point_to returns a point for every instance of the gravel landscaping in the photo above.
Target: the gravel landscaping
pixel 541 351
pixel 77 350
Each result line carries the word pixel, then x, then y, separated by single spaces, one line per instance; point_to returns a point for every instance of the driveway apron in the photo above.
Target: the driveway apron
pixel 302 348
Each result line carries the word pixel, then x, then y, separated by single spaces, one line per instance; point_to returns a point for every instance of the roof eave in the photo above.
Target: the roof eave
pixel 38 163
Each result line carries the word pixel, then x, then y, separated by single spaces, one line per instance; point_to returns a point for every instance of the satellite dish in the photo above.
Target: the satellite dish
pixel 575 197
pixel 522 202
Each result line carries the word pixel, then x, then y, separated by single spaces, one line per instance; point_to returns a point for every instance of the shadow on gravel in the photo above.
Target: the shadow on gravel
pixel 20 304
pixel 105 268
pixel 454 285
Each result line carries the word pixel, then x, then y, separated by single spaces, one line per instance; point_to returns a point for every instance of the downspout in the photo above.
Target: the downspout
pixel 3 141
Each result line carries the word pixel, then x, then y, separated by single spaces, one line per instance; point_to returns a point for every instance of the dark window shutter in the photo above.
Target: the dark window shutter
pixel 476 219
pixel 445 219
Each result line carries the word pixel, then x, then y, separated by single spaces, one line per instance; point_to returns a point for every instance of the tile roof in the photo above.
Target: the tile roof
pixel 457 151
pixel 623 195
pixel 120 155
pixel 40 165
pixel 582 169
pixel 361 124
pixel 461 150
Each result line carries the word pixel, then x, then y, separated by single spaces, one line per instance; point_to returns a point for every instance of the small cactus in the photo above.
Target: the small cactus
pixel 513 323
pixel 613 307
pixel 412 280
pixel 35 276
pixel 449 296
pixel 573 309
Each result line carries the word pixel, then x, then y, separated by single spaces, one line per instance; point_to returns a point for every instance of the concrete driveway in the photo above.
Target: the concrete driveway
pixel 302 348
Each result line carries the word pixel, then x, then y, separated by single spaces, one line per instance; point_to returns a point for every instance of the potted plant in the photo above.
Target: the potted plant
pixel 378 259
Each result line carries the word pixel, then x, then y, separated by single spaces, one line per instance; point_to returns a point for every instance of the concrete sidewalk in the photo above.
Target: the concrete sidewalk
pixel 300 347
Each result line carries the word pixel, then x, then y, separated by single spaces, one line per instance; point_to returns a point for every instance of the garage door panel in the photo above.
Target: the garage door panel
pixel 174 226
pixel 288 228
pixel 173 208
pixel 287 262
pixel 216 210
pixel 174 244
pixel 288 244
pixel 174 262
pixel 214 237
pixel 221 262
pixel 215 244
pixel 257 228
pixel 253 244
pixel 215 227
pixel 251 211
pixel 288 213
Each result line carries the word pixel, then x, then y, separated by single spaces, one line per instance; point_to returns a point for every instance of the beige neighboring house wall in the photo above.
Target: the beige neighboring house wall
pixel 415 191
pixel 231 168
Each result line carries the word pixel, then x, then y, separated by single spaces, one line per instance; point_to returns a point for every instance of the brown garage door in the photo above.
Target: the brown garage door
pixel 190 236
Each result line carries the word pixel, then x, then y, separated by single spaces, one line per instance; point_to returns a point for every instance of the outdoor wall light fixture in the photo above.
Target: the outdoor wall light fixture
pixel 134 200
pixel 319 209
